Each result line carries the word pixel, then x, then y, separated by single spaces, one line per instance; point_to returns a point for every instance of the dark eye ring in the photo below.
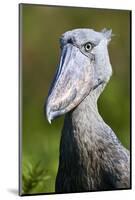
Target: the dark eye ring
pixel 88 46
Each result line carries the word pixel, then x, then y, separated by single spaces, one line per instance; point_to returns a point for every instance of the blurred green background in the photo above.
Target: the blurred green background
pixel 42 27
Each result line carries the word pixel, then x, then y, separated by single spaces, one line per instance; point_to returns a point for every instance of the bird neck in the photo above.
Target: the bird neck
pixel 84 133
pixel 88 146
pixel 84 124
pixel 86 113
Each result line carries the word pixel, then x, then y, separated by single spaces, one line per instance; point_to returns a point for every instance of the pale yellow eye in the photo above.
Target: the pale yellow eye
pixel 88 46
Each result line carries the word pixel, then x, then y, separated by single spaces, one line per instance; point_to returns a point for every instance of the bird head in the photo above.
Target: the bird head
pixel 84 66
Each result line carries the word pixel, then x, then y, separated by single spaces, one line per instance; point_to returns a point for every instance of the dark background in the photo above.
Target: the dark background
pixel 42 27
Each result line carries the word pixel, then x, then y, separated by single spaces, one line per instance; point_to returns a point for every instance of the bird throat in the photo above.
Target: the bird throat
pixel 81 138
pixel 82 128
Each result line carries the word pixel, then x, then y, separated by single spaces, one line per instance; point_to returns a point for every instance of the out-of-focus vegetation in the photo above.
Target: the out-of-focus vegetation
pixel 34 177
pixel 41 29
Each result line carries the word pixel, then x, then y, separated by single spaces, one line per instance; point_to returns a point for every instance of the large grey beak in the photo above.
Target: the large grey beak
pixel 71 84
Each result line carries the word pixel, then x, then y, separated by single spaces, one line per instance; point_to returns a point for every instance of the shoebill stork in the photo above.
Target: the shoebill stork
pixel 91 156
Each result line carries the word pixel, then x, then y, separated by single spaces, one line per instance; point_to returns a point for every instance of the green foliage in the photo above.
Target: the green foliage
pixel 33 176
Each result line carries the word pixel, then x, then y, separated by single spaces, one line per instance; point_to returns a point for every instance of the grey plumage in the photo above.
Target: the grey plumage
pixel 91 156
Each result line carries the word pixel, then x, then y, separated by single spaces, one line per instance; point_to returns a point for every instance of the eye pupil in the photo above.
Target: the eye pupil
pixel 88 46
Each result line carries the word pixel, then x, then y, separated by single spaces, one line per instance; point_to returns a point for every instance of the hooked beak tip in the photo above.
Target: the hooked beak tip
pixel 49 117
pixel 52 114
pixel 49 120
pixel 48 114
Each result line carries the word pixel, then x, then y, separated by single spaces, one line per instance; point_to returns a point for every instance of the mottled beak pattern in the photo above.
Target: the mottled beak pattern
pixel 71 84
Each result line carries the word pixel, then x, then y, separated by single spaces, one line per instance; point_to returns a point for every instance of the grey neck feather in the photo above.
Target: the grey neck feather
pixel 87 124
pixel 84 128
pixel 90 153
pixel 85 131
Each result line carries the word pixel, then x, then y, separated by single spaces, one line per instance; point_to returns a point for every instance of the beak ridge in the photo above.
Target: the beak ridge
pixel 71 84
